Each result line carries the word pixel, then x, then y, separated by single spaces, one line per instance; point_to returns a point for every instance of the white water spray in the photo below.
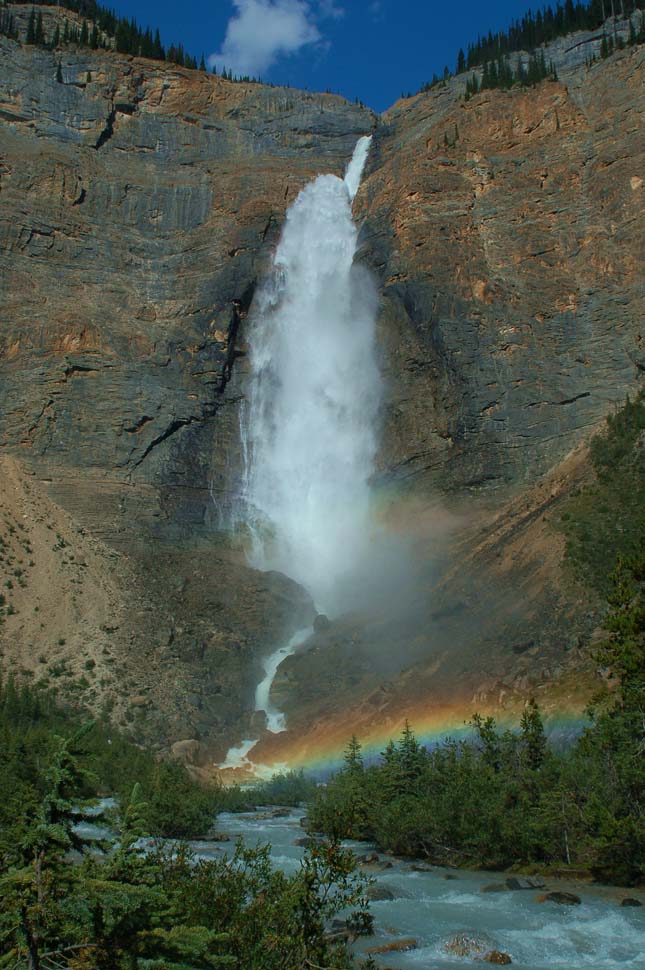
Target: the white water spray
pixel 308 432
pixel 309 428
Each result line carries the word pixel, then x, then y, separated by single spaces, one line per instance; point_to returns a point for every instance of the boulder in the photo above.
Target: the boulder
pixel 497 957
pixel 185 751
pixel 321 623
pixel 377 894
pixel 463 945
pixel 514 883
pixel 307 841
pixel 368 859
pixel 630 901
pixel 396 946
pixel 494 887
pixel 421 867
pixel 560 897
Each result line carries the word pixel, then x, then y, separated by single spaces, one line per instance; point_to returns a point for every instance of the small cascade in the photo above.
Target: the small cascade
pixel 276 721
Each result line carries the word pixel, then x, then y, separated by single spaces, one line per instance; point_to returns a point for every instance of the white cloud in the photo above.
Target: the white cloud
pixel 261 31
pixel 328 8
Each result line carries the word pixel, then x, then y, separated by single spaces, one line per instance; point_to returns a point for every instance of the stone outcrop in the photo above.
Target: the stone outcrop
pixel 139 206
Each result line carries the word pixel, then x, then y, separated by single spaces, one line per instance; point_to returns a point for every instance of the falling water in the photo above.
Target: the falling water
pixel 309 427
pixel 308 430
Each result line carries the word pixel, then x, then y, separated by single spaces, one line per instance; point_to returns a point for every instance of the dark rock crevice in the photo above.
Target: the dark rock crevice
pixel 240 310
pixel 107 131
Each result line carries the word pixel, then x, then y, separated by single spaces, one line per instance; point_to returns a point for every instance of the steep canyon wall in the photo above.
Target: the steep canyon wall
pixel 139 204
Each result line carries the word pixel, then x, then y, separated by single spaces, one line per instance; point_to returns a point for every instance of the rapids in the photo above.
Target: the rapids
pixel 433 907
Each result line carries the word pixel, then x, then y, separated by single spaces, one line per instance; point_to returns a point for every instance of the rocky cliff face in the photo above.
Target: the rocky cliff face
pixel 506 231
pixel 139 204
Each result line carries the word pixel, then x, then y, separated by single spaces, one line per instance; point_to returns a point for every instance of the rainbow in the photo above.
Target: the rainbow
pixel 319 750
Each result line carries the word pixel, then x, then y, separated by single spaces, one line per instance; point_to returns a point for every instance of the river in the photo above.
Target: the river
pixel 433 907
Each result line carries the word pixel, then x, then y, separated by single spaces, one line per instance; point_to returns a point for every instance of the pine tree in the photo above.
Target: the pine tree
pixel 159 53
pixel 202 64
pixel 461 61
pixel 353 757
pixel 59 73
pixel 532 735
pixel 56 38
pixel 39 36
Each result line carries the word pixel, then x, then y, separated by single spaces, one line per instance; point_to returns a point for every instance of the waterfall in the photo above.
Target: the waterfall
pixel 308 428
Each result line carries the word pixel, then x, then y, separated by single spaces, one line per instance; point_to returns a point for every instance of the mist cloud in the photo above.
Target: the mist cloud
pixel 261 31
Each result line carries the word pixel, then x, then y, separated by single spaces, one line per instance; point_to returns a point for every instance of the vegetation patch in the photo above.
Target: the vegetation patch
pixel 605 520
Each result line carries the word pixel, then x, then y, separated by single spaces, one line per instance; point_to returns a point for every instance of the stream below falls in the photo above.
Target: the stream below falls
pixel 433 907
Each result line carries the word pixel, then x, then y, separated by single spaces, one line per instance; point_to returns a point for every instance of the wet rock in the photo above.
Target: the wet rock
pixel 450 875
pixel 494 887
pixel 368 859
pixel 321 623
pixel 381 865
pixel 463 945
pixel 219 837
pixel 497 957
pixel 307 841
pixel 397 946
pixel 515 883
pixel 630 901
pixel 421 867
pixel 275 813
pixel 377 894
pixel 559 896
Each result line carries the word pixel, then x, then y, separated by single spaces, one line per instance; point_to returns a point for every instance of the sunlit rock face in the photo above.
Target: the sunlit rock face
pixel 504 231
pixel 141 204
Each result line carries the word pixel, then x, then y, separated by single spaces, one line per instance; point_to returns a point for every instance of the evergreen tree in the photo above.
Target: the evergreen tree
pixel 532 734
pixel 353 757
pixel 59 73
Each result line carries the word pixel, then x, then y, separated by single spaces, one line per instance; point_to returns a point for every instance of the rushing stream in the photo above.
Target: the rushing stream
pixel 433 907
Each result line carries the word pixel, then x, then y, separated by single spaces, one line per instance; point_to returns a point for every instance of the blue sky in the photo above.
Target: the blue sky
pixel 368 49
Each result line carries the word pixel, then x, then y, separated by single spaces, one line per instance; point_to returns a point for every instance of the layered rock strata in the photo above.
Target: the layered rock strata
pixel 139 205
